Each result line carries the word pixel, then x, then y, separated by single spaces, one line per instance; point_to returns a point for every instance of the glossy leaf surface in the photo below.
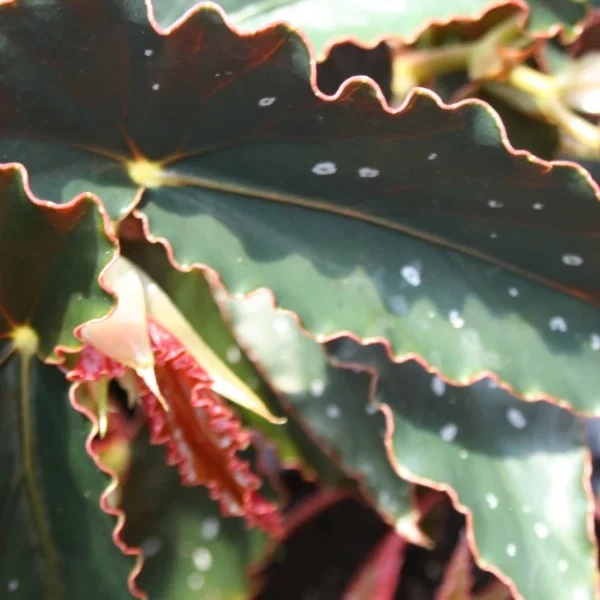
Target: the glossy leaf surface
pixel 57 543
pixel 513 467
pixel 419 227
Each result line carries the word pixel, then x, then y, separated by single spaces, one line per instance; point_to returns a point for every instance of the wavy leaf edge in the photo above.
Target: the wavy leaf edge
pixel 104 502
pixel 453 494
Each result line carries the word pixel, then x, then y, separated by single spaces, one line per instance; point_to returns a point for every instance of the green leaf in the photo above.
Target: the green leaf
pixel 513 467
pixel 56 542
pixel 50 260
pixel 418 227
pixel 328 21
pixel 191 551
pixel 332 402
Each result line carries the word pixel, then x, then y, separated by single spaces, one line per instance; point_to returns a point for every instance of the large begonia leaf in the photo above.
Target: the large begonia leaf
pixel 511 467
pixel 328 21
pixel 190 550
pixel 419 226
pixel 57 542
pixel 300 374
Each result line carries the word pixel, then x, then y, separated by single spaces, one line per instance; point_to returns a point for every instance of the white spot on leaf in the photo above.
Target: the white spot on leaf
pixel 432 156
pixel 209 529
pixel 156 87
pixel 448 432
pixel 463 454
pixel 411 275
pixel 333 411
pixel 572 260
pixel 516 418
pixel 202 559
pixel 558 324
pixel 13 585
pixel 455 319
pixel 267 101
pixel 438 385
pixel 511 550
pixel 513 291
pixel 538 206
pixel 324 168
pixel 492 501
pixel 234 354
pixel 148 52
pixel 495 204
pixel 368 172
pixel 595 341
pixel 317 387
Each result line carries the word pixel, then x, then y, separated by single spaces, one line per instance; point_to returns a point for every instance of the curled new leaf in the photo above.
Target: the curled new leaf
pixel 124 337
pixel 202 435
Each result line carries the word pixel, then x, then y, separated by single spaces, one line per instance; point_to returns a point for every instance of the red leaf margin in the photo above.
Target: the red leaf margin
pixel 104 502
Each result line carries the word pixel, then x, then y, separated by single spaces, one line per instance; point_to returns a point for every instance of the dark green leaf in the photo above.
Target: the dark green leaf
pixel 191 551
pixel 50 260
pixel 55 541
pixel 520 470
pixel 418 227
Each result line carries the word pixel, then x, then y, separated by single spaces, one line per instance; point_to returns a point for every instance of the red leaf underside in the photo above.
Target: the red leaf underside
pixel 201 434
pixel 378 578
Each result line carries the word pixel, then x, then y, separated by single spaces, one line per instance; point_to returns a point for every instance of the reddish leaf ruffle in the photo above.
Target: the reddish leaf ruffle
pixel 202 435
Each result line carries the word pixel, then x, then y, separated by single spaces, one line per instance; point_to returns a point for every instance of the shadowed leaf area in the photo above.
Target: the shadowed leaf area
pixel 487 448
pixel 493 451
pixel 55 539
pixel 419 226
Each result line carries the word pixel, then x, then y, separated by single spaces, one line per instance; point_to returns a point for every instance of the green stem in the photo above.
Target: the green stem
pixel 539 96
